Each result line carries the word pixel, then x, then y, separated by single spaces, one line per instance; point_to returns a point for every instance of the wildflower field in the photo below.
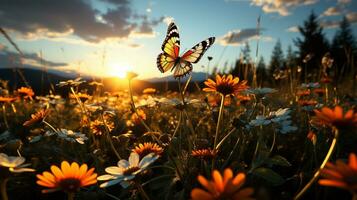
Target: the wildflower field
pixel 241 134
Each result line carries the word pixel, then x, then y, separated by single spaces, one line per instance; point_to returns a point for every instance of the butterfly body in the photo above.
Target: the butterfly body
pixel 170 58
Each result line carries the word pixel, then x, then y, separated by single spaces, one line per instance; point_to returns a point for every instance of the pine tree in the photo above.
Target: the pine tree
pixel 312 43
pixel 344 50
pixel 290 58
pixel 246 53
pixel 261 72
pixel 277 59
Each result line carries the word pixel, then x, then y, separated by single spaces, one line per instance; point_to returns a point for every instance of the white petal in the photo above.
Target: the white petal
pixel 134 159
pixel 110 183
pixel 123 164
pixel 114 170
pixel 147 160
pixel 105 177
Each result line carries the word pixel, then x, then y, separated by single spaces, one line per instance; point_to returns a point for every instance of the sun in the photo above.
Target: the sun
pixel 118 70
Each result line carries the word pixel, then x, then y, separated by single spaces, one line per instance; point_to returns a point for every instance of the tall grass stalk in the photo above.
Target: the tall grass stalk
pixel 3 189
pixel 134 107
pixel 318 172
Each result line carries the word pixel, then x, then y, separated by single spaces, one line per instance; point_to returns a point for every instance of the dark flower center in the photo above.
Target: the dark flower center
pixel 225 88
pixel 70 184
pixel 131 170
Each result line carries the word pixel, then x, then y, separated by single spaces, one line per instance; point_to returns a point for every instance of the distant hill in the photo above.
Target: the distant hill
pixel 196 76
pixel 41 81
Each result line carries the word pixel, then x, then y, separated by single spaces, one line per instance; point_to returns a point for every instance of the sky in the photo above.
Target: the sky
pixel 109 37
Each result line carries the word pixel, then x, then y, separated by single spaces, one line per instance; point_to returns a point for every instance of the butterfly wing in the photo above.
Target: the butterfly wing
pixel 170 48
pixel 182 68
pixel 195 53
pixel 165 62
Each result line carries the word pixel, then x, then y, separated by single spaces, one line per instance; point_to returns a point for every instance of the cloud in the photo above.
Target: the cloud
pixel 352 17
pixel 77 17
pixel 293 29
pixel 330 24
pixel 332 11
pixel 344 1
pixel 9 59
pixel 239 37
pixel 282 7
pixel 168 20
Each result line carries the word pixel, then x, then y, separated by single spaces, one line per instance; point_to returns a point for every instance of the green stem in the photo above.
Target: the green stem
pixel 3 189
pixel 109 138
pixel 225 137
pixel 49 125
pixel 181 93
pixel 134 108
pixel 219 121
pixel 142 191
pixel 217 128
pixel 318 172
pixel 4 115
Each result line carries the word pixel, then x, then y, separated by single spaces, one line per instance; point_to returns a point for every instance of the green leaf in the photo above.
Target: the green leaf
pixel 269 175
pixel 279 160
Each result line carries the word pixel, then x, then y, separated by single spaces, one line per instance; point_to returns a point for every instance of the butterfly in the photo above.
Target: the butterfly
pixel 170 58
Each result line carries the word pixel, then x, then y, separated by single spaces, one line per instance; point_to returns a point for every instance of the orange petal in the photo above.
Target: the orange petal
pixel 66 169
pixel 352 161
pixel 327 182
pixel 57 172
pixel 82 171
pixel 74 169
pixel 207 184
pixel 198 194
pixel 228 175
pixel 218 180
pixel 338 112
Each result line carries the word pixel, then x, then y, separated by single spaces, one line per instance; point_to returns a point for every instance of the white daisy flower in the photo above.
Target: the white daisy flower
pixel 310 85
pixel 280 115
pixel 126 170
pixel 259 121
pixel 14 163
pixel 286 127
pixel 74 82
pixel 72 136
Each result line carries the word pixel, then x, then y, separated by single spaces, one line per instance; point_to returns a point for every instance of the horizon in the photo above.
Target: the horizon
pixel 107 37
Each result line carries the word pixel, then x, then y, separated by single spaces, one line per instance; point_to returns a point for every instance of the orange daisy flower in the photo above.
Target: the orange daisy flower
pixel 7 99
pixel 149 91
pixel 225 85
pixel 144 149
pixel 307 102
pixel 204 153
pixel 226 187
pixel 302 93
pixel 215 100
pixel 341 175
pixel 326 79
pixel 82 96
pixel 336 118
pixel 98 127
pixel 26 92
pixel 319 91
pixel 68 178
pixel 37 117
pixel 243 99
pixel 135 118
